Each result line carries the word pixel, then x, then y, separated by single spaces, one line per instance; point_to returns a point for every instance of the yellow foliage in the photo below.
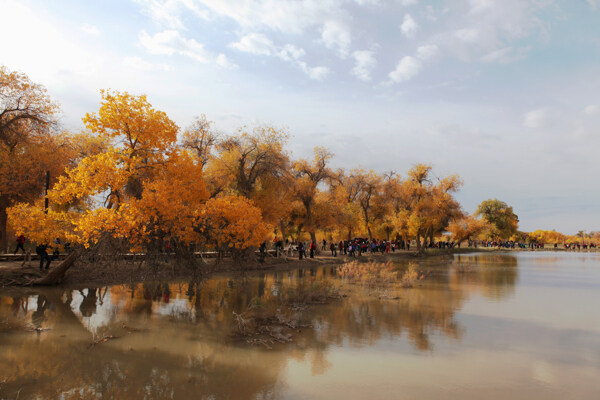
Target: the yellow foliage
pixel 466 228
pixel 231 222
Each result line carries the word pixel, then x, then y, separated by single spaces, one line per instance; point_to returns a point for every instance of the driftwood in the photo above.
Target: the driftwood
pixel 56 274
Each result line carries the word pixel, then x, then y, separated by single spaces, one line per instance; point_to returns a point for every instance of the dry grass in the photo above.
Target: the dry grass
pixel 374 274
pixel 369 274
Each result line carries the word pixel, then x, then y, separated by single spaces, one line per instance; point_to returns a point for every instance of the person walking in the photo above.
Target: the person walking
pixel 313 247
pixel 333 249
pixel 42 251
pixel 20 243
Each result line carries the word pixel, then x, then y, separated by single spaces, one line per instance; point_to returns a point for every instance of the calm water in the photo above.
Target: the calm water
pixel 493 326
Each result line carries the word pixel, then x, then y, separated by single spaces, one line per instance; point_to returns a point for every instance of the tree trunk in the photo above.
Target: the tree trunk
pixel 3 233
pixel 283 231
pixel 366 215
pixel 349 234
pixel 313 237
pixel 56 274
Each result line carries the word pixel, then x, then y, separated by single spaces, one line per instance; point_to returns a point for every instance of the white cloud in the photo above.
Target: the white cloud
pixel 408 2
pixel 505 55
pixel 427 52
pixel 535 119
pixel 336 35
pixel 138 63
pixel 167 12
pixel 316 73
pixel 410 66
pixel 407 68
pixel 90 29
pixel 592 109
pixel 260 44
pixel 491 26
pixel 364 64
pixel 501 55
pixel 161 43
pixel 368 2
pixel 289 52
pixel 224 62
pixel 409 26
pixel 255 43
pixel 430 13
pixel 171 42
pixel 593 4
pixel 328 17
pixel 467 34
pixel 481 5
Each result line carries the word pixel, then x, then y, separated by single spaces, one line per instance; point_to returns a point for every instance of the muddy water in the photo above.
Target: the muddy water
pixel 518 326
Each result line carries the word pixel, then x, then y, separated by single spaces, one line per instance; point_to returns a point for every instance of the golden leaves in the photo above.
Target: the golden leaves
pixel 232 222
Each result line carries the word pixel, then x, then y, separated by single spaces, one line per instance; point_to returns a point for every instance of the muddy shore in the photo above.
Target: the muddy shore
pixel 85 274
pixel 82 274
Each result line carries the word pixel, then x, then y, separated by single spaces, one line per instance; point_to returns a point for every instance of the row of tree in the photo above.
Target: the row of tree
pixel 133 175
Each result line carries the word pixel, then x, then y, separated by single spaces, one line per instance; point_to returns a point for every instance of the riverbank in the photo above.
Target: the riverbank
pixel 83 274
pixel 13 273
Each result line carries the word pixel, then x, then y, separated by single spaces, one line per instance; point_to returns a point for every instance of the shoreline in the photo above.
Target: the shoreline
pixel 128 273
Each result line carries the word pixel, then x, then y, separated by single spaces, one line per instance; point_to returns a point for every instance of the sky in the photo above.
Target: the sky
pixel 505 93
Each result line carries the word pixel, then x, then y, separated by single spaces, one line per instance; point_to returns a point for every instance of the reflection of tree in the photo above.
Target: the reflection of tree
pixel 186 347
pixel 497 274
pixel 69 368
pixel 88 304
pixel 38 316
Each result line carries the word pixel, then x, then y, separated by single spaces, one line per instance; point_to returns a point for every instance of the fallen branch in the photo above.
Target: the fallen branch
pixel 103 339
pixel 55 275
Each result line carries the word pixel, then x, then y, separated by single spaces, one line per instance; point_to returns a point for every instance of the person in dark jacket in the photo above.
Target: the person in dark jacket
pixel 42 251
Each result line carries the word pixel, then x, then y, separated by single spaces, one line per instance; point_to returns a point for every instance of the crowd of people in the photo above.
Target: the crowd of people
pixel 354 248
pixel 42 250
pixel 511 244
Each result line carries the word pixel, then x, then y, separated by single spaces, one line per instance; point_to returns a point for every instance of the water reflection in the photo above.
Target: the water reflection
pixel 495 274
pixel 175 340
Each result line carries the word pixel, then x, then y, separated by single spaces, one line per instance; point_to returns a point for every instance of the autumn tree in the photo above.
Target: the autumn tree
pixel 344 190
pixel 370 186
pixel 143 189
pixel 503 221
pixel 425 207
pixel 30 144
pixel 130 185
pixel 544 236
pixel 308 175
pixel 253 163
pixel 465 228
pixel 201 139
pixel 231 223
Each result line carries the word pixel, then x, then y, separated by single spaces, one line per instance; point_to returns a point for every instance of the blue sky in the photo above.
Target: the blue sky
pixel 505 93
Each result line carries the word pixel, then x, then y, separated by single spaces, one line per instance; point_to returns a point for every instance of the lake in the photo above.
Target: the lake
pixel 515 325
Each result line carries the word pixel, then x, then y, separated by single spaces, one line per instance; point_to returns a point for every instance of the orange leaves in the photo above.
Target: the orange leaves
pixel 127 176
pixel 93 175
pixel 131 120
pixel 37 225
pixel 465 228
pixel 231 222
